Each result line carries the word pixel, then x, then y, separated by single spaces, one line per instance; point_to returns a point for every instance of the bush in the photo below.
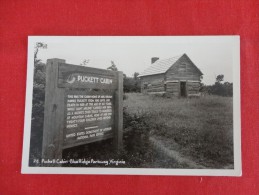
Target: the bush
pixel 219 88
pixel 131 85
pixel 137 149
pixel 38 100
pixel 125 96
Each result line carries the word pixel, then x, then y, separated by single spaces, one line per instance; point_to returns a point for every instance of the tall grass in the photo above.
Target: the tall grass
pixel 203 128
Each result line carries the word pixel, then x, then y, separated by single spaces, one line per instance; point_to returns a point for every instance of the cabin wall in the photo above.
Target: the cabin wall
pixel 170 82
pixel 193 88
pixel 173 88
pixel 183 70
pixel 157 84
pixel 153 84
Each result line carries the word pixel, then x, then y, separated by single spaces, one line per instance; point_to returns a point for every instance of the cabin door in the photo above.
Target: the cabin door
pixel 183 92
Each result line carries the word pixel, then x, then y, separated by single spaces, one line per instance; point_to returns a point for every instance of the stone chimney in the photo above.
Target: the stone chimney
pixel 154 59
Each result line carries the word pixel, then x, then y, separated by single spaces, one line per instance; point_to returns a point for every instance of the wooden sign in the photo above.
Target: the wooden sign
pixel 81 77
pixel 82 105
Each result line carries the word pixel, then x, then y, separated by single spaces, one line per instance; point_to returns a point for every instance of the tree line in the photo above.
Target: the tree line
pixel 130 84
pixel 219 88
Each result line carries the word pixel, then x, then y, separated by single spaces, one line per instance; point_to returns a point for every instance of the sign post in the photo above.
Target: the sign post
pixel 82 105
pixel 119 113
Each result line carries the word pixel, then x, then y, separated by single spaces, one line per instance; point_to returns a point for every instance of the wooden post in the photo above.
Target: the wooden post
pixel 53 113
pixel 119 113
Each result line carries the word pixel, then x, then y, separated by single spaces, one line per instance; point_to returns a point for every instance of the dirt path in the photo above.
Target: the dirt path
pixel 170 153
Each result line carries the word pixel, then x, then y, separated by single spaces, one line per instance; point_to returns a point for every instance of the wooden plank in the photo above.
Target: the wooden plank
pixel 155 90
pixel 173 93
pixel 63 67
pixel 53 113
pixel 157 83
pixel 193 88
pixel 172 90
pixel 175 88
pixel 161 87
pixel 183 77
pixel 194 83
pixel 156 86
pixel 73 76
pixel 171 81
pixel 172 84
pixel 119 113
pixel 163 92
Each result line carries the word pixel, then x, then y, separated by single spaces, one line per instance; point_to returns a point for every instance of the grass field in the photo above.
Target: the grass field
pixel 198 133
pixel 200 129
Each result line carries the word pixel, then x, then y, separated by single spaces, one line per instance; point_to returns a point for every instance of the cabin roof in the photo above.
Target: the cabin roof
pixel 161 66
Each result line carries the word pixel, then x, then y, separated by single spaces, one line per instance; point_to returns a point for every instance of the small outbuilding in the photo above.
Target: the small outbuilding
pixel 177 76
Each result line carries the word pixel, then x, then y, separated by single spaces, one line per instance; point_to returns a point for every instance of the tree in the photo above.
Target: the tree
pixel 136 75
pixel 137 82
pixel 37 47
pixel 228 89
pixel 131 84
pixel 85 62
pixel 219 78
pixel 220 88
pixel 39 82
pixel 113 67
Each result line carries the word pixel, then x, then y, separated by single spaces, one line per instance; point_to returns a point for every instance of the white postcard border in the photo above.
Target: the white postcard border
pixel 237 171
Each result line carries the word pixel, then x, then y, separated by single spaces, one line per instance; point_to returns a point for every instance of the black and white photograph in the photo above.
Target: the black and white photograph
pixel 133 105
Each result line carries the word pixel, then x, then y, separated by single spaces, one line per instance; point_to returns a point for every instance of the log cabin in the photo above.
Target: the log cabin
pixel 177 76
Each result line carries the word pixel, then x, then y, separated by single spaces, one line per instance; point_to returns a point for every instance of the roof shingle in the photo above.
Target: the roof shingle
pixel 160 66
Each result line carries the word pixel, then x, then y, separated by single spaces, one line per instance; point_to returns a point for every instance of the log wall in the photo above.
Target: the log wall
pixel 173 88
pixel 183 69
pixel 153 83
pixel 193 88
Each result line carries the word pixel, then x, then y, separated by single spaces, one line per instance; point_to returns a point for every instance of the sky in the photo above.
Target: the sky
pixel 213 55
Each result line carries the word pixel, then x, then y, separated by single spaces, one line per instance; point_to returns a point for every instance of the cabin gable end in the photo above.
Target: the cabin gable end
pixel 183 69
